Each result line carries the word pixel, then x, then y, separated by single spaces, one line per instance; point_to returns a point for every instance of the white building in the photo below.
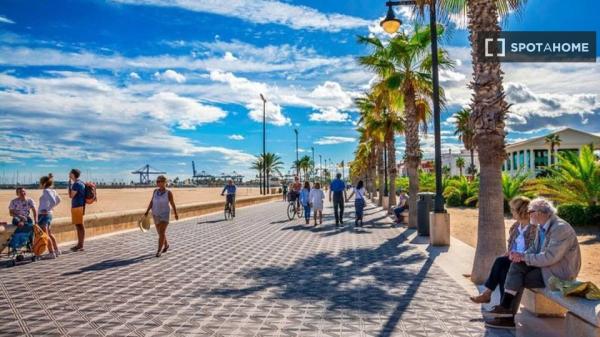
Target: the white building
pixel 533 154
pixel 449 159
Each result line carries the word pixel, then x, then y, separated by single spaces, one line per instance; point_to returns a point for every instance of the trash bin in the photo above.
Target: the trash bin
pixel 424 206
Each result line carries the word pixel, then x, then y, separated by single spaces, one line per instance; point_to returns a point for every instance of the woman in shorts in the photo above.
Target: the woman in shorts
pixel 161 212
pixel 48 201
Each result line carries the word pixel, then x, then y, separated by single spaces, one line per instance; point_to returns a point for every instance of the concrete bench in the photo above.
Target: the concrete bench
pixel 582 315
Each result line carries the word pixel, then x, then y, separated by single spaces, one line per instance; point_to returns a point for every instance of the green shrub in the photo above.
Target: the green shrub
pixel 593 215
pixel 575 214
pixel 454 200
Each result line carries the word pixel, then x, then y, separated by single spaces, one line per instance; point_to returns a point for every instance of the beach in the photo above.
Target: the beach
pixel 110 200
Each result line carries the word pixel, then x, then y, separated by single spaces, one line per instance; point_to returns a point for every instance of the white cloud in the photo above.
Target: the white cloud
pixel 273 114
pixel 236 137
pixel 264 12
pixel 170 75
pixel 4 19
pixel 229 56
pixel 134 76
pixel 330 140
pixel 329 115
pixel 90 119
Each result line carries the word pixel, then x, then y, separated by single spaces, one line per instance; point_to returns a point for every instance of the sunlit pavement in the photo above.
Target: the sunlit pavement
pixel 259 275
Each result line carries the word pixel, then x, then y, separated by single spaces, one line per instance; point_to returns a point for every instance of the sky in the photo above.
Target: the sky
pixel 109 86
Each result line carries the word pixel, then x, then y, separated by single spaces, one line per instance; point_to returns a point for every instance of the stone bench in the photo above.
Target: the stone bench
pixel 582 315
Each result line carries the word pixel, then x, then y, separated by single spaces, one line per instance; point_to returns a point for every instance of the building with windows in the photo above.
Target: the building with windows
pixel 533 155
pixel 449 160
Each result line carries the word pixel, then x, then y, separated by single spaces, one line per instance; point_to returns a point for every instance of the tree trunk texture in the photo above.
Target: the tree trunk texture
pixel 392 170
pixel 260 181
pixel 413 155
pixel 488 118
pixel 380 172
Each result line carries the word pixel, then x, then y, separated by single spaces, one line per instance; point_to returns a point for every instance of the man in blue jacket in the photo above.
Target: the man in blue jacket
pixel 338 188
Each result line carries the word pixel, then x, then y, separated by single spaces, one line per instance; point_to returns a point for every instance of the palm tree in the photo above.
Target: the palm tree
pixel 258 165
pixel 272 163
pixel 553 140
pixel 489 108
pixel 404 68
pixel 304 164
pixel 460 163
pixel 463 189
pixel 574 179
pixel 464 131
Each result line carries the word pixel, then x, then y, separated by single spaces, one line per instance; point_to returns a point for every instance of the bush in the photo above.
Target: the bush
pixel 593 215
pixel 575 214
pixel 454 200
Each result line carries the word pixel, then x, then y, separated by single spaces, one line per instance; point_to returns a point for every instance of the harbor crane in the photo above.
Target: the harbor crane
pixel 145 172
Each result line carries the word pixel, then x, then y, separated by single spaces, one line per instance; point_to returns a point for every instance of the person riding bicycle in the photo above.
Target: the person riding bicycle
pixel 295 192
pixel 230 188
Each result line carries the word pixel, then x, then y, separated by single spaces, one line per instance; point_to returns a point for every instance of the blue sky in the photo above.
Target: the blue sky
pixel 108 86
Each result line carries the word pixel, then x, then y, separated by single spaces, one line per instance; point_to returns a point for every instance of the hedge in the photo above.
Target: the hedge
pixel 580 215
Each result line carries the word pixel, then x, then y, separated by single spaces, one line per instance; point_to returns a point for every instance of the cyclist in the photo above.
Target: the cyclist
pixel 296 188
pixel 230 188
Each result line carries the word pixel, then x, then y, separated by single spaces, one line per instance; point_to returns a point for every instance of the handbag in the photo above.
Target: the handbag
pixel 144 223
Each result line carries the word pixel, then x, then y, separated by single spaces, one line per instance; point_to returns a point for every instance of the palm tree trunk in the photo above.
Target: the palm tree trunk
pixel 268 183
pixel 392 170
pixel 413 155
pixel 472 163
pixel 380 173
pixel 260 181
pixel 489 113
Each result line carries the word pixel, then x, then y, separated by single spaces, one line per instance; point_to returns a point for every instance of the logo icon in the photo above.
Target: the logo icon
pixel 502 49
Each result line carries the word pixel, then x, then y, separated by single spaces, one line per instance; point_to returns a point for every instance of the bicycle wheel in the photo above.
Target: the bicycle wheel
pixel 291 211
pixel 228 214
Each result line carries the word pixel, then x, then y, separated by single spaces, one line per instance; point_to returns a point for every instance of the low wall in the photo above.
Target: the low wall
pixel 104 223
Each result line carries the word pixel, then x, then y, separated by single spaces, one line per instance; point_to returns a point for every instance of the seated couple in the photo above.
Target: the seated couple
pixel 540 245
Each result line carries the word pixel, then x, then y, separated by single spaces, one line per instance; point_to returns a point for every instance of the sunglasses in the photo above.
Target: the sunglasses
pixel 532 211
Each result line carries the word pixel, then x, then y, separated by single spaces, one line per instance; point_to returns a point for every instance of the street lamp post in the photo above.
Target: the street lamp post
pixel 391 25
pixel 264 144
pixel 297 159
pixel 312 148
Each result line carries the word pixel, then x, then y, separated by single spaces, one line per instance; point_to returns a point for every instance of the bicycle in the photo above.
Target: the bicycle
pixel 294 208
pixel 228 209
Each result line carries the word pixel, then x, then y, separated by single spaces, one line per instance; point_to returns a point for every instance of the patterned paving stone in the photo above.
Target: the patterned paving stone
pixel 259 275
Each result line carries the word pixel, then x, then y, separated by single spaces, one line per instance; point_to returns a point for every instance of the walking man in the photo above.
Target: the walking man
pixel 338 188
pixel 77 195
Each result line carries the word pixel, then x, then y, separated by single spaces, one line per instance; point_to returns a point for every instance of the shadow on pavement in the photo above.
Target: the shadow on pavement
pixel 108 264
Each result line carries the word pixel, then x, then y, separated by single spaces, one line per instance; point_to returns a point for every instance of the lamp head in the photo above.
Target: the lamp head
pixel 390 24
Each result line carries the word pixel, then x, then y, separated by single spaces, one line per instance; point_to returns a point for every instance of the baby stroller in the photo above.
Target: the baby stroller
pixel 26 242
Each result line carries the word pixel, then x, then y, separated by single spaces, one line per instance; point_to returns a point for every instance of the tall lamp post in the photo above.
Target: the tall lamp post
pixel 297 159
pixel 264 144
pixel 391 25
pixel 313 161
pixel 440 229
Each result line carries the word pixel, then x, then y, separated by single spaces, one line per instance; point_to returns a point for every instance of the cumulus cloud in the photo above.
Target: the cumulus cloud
pixel 236 137
pixel 134 76
pixel 329 115
pixel 331 140
pixel 170 75
pixel 264 12
pixel 76 116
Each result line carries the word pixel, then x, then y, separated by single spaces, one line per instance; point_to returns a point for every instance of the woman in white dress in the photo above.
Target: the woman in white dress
pixel 316 198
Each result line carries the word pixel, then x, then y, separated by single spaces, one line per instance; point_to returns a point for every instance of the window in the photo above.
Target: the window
pixel 529 159
pixel 522 159
pixel 540 158
pixel 508 163
pixel 514 159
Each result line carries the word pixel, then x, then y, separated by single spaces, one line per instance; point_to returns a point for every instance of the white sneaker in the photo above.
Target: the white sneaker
pixel 50 256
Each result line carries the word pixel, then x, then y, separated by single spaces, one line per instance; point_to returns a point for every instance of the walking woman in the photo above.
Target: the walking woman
pixel 316 198
pixel 359 202
pixel 161 213
pixel 304 200
pixel 48 201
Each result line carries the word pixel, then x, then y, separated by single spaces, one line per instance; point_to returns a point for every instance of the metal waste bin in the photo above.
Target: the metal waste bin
pixel 424 206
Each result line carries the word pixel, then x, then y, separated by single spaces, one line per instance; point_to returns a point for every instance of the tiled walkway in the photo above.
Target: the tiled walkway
pixel 259 275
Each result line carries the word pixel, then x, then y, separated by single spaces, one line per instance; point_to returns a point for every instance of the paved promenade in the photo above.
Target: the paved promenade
pixel 259 275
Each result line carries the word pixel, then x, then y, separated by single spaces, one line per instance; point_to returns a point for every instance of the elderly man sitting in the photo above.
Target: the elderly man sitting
pixel 555 252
